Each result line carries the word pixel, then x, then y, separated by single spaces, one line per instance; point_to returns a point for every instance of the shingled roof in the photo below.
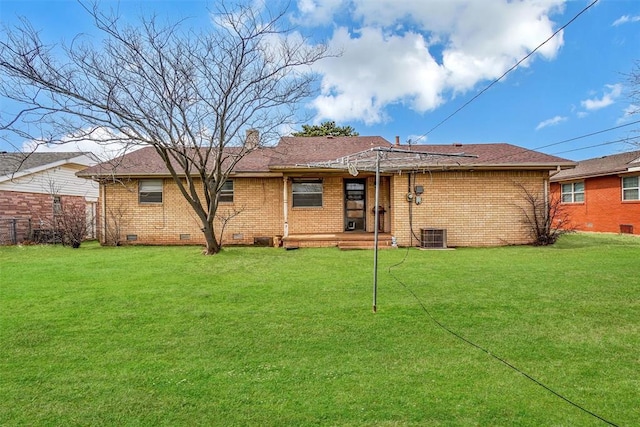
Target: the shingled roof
pixel 300 153
pixel 601 166
pixel 289 152
pixel 300 150
pixel 18 162
pixel 495 155
pixel 450 157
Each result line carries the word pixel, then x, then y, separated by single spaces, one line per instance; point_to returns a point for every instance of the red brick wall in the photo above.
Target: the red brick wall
pixel 36 207
pixel 26 205
pixel 603 209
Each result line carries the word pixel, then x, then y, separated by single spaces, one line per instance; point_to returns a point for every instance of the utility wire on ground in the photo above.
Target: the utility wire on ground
pixel 488 352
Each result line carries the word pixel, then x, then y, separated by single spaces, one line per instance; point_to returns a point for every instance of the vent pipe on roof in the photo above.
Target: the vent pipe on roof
pixel 252 140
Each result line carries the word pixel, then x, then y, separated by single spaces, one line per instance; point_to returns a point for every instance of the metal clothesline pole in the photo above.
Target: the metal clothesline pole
pixel 375 234
pixel 364 163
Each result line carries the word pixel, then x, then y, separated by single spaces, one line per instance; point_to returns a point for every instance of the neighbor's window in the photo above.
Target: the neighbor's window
pixel 572 193
pixel 307 193
pixel 150 191
pixel 631 188
pixel 226 193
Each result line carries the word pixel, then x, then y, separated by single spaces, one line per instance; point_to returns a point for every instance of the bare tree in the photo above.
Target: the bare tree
pixel 633 79
pixel 115 223
pixel 190 95
pixel 544 217
pixel 72 223
pixel 633 82
pixel 225 217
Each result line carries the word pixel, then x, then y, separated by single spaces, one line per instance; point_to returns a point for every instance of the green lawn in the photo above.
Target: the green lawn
pixel 263 336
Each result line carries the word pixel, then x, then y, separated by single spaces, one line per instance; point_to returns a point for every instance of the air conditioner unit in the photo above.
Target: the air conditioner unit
pixel 433 238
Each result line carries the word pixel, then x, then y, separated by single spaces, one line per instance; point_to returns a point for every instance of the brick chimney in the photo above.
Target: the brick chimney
pixel 397 141
pixel 252 140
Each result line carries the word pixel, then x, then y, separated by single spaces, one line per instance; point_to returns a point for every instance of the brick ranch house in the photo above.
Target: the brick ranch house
pixel 602 194
pixel 35 187
pixel 287 194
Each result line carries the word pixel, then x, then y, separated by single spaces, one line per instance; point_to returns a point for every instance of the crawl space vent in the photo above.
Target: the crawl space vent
pixel 626 228
pixel 433 238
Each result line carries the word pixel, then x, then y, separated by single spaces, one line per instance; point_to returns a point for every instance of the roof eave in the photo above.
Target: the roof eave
pixel 591 175
pixel 46 166
pixel 434 167
pixel 164 175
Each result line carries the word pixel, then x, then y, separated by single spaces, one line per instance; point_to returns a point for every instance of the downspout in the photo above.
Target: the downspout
pixel 546 203
pixel 410 200
pixel 103 211
pixel 546 193
pixel 285 198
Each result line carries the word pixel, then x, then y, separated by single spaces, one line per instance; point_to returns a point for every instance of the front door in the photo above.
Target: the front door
pixel 355 204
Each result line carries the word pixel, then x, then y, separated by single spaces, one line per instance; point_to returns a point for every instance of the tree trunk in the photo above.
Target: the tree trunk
pixel 213 246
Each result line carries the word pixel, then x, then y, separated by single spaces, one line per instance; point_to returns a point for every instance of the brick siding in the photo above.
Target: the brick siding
pixel 257 202
pixel 477 208
pixel 603 209
pixel 34 211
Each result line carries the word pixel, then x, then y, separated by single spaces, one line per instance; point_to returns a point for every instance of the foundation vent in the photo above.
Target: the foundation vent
pixel 626 228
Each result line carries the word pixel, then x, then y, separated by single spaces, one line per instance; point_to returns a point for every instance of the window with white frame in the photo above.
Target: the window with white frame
pixel 226 192
pixel 631 188
pixel 307 193
pixel 573 192
pixel 150 191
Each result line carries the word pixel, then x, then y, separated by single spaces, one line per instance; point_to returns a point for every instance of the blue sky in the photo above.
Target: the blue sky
pixel 406 65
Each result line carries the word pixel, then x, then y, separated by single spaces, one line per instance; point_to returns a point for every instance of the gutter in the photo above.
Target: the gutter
pixel 593 175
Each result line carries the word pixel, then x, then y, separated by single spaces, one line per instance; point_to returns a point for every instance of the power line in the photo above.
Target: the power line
pixel 564 141
pixel 593 146
pixel 587 135
pixel 508 71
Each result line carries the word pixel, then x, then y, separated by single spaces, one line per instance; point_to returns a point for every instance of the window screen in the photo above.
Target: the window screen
pixel 226 193
pixel 631 188
pixel 150 191
pixel 307 193
pixel 573 193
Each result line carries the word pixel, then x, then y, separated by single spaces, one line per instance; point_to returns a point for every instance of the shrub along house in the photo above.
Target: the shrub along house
pixel 602 194
pixel 320 191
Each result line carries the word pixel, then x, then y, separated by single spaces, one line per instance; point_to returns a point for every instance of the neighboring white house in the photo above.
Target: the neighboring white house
pixel 35 186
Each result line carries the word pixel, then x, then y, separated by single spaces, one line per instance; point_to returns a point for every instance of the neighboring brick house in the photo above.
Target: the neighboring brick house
pixel 602 194
pixel 288 193
pixel 34 187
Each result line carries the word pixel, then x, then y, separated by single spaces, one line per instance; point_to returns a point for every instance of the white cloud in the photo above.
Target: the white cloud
pixel 420 52
pixel 108 149
pixel 359 84
pixel 317 12
pixel 416 139
pixel 551 122
pixel 626 19
pixel 628 113
pixel 609 97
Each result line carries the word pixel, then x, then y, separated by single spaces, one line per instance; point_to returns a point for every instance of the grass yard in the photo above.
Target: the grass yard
pixel 158 336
